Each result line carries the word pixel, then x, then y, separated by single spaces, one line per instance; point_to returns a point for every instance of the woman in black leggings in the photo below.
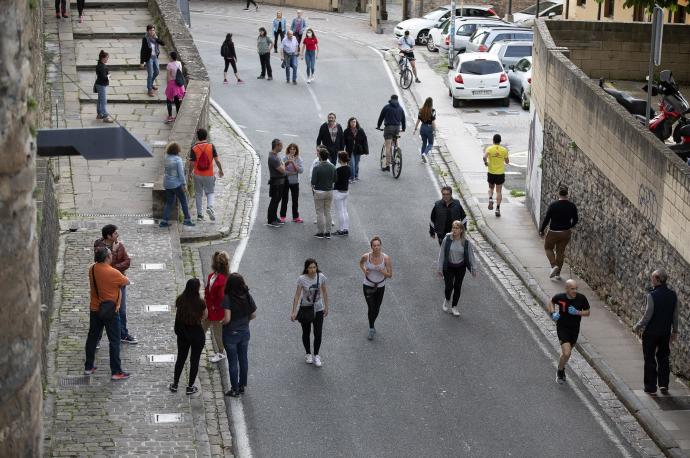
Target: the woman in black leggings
pixel 312 296
pixel 377 267
pixel 190 335
pixel 454 259
pixel 227 50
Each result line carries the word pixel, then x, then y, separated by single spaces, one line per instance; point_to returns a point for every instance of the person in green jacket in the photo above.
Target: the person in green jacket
pixel 322 180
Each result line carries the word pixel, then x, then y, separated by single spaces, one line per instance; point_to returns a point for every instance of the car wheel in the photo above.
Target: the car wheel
pixel 506 101
pixel 456 102
pixel 430 45
pixel 422 37
pixel 524 101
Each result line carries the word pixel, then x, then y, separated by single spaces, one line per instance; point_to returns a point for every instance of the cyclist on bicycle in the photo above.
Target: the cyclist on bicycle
pixel 393 118
pixel 405 45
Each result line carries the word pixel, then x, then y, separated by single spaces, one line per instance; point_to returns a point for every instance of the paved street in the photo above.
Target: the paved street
pixel 429 384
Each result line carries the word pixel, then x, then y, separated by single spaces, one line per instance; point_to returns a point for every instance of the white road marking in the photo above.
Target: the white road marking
pixel 319 110
pixel 241 126
pixel 262 131
pixel 289 135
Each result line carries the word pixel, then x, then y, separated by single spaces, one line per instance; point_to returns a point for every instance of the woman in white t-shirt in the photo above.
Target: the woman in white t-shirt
pixel 311 292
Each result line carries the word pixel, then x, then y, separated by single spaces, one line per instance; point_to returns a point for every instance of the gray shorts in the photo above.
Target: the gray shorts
pixel 390 132
pixel 205 184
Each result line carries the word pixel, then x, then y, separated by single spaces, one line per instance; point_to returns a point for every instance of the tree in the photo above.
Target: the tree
pixel 20 334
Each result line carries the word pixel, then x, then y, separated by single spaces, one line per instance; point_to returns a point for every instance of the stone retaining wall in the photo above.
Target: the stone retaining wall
pixel 632 191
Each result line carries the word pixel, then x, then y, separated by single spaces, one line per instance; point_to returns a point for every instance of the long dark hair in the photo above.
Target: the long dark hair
pixel 356 123
pixel 228 37
pixel 426 111
pixel 262 29
pixel 190 306
pixel 309 262
pixel 313 35
pixel 238 292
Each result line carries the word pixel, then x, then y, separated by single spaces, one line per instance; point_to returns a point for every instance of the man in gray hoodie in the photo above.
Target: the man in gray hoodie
pixel 322 180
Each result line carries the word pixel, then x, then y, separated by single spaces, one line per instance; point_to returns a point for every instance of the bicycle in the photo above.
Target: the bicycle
pixel 406 75
pixel 396 157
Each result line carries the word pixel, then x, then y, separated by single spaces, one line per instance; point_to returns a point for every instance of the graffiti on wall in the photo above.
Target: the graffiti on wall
pixel 648 204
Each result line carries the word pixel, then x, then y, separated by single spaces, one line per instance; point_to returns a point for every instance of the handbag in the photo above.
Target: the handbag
pixel 106 309
pixel 306 313
pixel 95 91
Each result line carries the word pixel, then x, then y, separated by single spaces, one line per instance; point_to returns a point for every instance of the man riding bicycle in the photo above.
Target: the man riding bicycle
pixel 393 118
pixel 405 45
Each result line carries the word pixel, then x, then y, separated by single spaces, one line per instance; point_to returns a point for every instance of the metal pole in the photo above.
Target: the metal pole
pixel 536 16
pixel 451 30
pixel 654 55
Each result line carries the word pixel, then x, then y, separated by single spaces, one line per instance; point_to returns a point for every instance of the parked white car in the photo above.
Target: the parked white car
pixel 436 36
pixel 478 76
pixel 419 27
pixel 520 77
pixel 464 28
pixel 552 9
pixel 510 52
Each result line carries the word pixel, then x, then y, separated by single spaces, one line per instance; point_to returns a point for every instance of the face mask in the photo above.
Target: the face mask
pixel 309 34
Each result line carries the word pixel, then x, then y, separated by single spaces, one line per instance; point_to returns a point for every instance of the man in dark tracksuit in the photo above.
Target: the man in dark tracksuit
pixel 660 327
pixel 443 214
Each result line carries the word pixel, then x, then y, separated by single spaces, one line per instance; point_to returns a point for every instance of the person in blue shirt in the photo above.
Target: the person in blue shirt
pixel 279 29
pixel 175 185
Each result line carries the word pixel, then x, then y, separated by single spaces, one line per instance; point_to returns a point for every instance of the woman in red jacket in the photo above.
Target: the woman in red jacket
pixel 213 295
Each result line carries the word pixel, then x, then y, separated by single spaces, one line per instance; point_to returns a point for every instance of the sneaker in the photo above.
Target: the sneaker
pixel 455 311
pixel 274 224
pixel 245 9
pixel 424 158
pixel 308 80
pixel 65 15
pixel 130 340
pixel 327 235
pixel 491 204
pixel 200 217
pixel 188 222
pixel 120 376
pixel 164 224
pixel 90 371
pixel 317 361
pixel 416 80
pixel 108 119
pixel 663 389
pixel 269 78
pixel 498 212
pixel 371 333
pixel 225 81
pixel 297 220
pixel 240 82
pixel 57 15
pixel 282 219
pixel 294 82
pixel 151 93
pixel 217 357
pixel 308 358
pixel 260 77
pixel 341 233
pixel 169 120
pixel 446 305
pixel 81 19
pixel 554 272
pixel 211 213
pixel 319 235
pixel 232 393
pixel 172 387
pixel 560 376
pixel 191 390
pixel 386 169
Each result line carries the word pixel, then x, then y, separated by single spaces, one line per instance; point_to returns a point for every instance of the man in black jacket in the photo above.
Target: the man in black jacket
pixel 331 136
pixel 443 214
pixel 561 217
pixel 393 118
pixel 150 50
pixel 660 327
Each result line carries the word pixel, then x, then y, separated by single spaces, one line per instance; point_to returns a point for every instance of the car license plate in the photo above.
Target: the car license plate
pixel 482 92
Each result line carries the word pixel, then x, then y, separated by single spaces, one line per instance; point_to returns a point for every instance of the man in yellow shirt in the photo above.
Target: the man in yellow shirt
pixel 496 158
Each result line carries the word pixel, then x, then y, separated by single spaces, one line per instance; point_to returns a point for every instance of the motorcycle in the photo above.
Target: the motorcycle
pixel 682 149
pixel 672 105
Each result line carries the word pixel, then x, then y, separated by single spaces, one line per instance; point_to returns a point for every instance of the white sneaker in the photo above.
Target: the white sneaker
pixel 445 305
pixel 317 361
pixel 309 358
pixel 217 357
pixel 455 311
pixel 211 213
pixel 554 272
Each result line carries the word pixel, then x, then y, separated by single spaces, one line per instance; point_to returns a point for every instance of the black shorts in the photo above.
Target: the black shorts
pixel 567 334
pixel 408 54
pixel 496 179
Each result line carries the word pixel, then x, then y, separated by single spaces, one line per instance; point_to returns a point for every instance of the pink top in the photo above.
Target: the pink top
pixel 172 90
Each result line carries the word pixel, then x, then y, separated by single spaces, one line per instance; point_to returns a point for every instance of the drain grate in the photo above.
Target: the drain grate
pixel 167 418
pixel 153 266
pixel 74 381
pixel 158 308
pixel 161 358
pixel 146 221
pixel 672 402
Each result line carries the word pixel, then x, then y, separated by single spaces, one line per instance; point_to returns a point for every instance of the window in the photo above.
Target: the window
pixel 608 8
pixel 481 67
pixel 639 13
pixel 466 30
pixel 542 6
pixel 502 37
pixel 558 11
pixel 680 15
pixel 479 37
pixel 581 2
pixel 522 36
pixel 518 51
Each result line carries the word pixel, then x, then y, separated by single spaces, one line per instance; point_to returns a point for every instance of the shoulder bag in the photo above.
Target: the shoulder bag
pixel 306 313
pixel 106 309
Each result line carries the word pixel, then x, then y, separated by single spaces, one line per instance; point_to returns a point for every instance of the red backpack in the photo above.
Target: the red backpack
pixel 203 157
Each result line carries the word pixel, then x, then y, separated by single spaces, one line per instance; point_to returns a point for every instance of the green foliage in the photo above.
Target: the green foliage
pixel 649 4
pixel 31 104
pixel 516 193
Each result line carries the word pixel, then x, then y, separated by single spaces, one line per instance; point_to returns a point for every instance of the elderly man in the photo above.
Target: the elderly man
pixel 660 327
pixel 289 53
pixel 567 309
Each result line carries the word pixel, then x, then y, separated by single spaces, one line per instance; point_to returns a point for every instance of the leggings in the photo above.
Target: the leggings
pixel 80 7
pixel 61 6
pixel 216 332
pixel 293 189
pixel 252 2
pixel 306 331
pixel 228 62
pixel 275 39
pixel 177 102
pixel 189 337
pixel 453 277
pixel 374 299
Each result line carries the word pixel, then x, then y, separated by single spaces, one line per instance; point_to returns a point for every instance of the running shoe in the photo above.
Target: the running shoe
pixel 239 82
pixel 90 371
pixel 416 80
pixel 554 272
pixel 386 169
pixel 164 224
pixel 120 376
pixel 191 390
pixel 225 81
pixel 308 358
pixel 188 222
pixel 341 233
pixel 424 158
pixel 446 305
pixel 663 389
pixel 455 311
pixel 371 333
pixel 327 235
pixel 274 224
pixel 297 220
pixel 232 393
pixel 317 361
pixel 498 211
pixel 130 340
pixel 217 357
pixel 200 217
pixel 81 19
pixel 560 376
pixel 491 203
pixel 282 219
pixel 172 387
pixel 211 213
pixel 169 120
pixel 319 235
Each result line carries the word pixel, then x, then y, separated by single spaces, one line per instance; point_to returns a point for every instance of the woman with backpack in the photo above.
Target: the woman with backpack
pixel 377 268
pixel 427 116
pixel 227 50
pixel 174 91
pixel 355 144
pixel 213 294
pixel 240 309
pixel 454 258
pixel 190 335
pixel 312 296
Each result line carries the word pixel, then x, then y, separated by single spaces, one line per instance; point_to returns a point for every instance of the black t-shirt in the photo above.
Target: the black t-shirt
pixel 274 163
pixel 562 301
pixel 239 313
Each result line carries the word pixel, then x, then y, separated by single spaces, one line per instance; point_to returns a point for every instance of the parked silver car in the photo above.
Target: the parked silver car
pixel 520 77
pixel 464 29
pixel 510 52
pixel 484 37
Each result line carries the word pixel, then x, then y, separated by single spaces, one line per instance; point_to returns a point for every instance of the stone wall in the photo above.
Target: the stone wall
pixel 632 191
pixel 194 110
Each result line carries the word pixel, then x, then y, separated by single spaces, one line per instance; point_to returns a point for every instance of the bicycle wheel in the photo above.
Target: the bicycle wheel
pixel 406 78
pixel 383 156
pixel 396 162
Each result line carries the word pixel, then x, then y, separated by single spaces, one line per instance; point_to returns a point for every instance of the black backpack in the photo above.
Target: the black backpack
pixel 179 78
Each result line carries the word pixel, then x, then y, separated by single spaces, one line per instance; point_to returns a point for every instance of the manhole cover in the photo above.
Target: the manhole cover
pixel 673 402
pixel 74 381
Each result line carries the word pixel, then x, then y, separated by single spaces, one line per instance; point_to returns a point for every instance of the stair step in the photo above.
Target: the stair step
pixel 111 4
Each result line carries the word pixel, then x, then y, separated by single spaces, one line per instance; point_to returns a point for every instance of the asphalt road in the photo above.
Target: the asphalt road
pixel 429 384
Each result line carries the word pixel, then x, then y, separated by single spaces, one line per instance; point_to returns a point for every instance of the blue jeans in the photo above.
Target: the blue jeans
pixel 310 59
pixel 427 133
pixel 152 70
pixel 236 345
pixel 124 332
pixel 112 328
pixel 354 165
pixel 291 62
pixel 170 195
pixel 102 104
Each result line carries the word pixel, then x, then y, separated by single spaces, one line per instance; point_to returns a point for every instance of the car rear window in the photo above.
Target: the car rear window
pixel 480 67
pixel 479 37
pixel 527 36
pixel 499 37
pixel 518 51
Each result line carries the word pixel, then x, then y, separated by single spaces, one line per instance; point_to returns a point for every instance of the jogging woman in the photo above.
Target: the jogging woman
pixel 213 294
pixel 312 296
pixel 293 168
pixel 454 258
pixel 227 51
pixel 377 267
pixel 240 309
pixel 310 51
pixel 427 116
pixel 190 335
pixel 355 144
